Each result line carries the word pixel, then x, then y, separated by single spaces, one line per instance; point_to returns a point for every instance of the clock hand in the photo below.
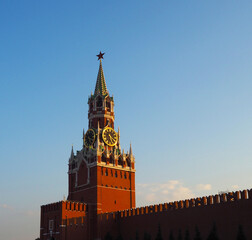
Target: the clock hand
pixel 90 138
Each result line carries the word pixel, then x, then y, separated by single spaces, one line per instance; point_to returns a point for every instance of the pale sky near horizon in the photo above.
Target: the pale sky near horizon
pixel 180 73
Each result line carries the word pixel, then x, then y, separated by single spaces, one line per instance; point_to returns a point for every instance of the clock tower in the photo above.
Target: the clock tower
pixel 101 174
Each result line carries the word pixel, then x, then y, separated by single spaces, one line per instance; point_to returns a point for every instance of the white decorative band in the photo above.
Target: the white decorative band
pixel 100 115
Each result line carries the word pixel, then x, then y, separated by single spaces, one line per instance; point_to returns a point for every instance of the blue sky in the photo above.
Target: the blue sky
pixel 180 72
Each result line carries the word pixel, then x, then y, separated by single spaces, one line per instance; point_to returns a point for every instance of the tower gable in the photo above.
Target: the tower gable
pixel 83 175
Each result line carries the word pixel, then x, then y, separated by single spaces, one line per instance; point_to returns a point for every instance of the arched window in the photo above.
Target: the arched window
pixel 128 162
pixel 120 161
pixel 108 104
pixel 73 165
pixel 91 107
pixel 111 160
pixel 98 102
pixel 115 173
pixel 103 158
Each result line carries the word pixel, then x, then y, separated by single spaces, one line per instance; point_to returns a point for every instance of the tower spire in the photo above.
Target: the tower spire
pixel 100 87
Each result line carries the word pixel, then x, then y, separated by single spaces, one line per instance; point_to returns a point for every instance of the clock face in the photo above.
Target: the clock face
pixel 89 137
pixel 109 136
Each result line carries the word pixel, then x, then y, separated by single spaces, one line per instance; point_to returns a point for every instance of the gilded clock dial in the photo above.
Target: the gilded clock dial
pixel 109 136
pixel 89 137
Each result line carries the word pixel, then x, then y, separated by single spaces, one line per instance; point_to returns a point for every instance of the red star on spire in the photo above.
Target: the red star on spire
pixel 100 55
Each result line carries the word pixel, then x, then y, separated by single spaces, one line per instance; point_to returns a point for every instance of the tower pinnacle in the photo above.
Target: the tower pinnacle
pixel 72 154
pixel 130 151
pixel 100 55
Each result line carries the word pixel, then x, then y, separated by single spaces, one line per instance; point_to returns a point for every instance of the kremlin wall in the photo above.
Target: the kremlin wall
pixel 101 198
pixel 227 211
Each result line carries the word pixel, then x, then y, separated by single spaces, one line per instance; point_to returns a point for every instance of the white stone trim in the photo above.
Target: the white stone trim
pixel 100 115
pixel 128 190
pixel 103 187
pixel 83 189
pixel 126 169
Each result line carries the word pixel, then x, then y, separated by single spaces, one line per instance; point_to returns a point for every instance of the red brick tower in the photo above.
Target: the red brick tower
pixel 101 174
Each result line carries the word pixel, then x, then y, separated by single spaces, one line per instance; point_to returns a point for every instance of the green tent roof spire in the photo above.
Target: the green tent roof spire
pixel 100 87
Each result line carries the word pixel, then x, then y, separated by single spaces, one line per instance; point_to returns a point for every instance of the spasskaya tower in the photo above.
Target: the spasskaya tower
pixel 101 174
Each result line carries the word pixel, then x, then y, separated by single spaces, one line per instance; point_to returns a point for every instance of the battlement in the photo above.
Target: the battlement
pixel 66 205
pixel 182 204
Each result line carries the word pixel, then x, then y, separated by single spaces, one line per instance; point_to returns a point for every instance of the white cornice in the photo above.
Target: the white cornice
pixel 127 169
pixel 129 190
pixel 100 115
